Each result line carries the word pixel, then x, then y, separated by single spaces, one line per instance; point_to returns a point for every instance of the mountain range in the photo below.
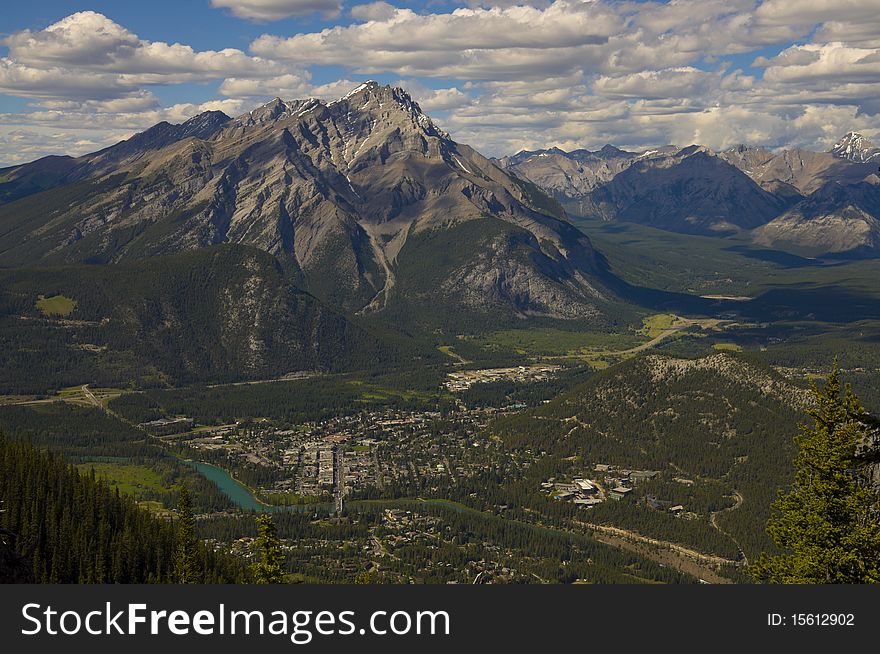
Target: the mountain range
pixel 818 203
pixel 366 202
pixel 369 209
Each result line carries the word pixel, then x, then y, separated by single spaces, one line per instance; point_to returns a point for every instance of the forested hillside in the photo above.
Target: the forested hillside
pixel 723 424
pixel 215 314
pixel 61 526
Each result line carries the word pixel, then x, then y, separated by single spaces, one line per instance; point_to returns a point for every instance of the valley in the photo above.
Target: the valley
pixel 430 366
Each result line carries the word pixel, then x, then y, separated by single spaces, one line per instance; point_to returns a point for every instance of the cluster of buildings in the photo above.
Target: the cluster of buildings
pixel 462 380
pixel 315 464
pixel 616 484
pixel 486 561
pixel 583 492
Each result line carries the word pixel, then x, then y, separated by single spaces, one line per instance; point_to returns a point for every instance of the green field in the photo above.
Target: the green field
pixel 727 347
pixel 377 393
pixel 57 305
pixel 135 480
pixel 654 325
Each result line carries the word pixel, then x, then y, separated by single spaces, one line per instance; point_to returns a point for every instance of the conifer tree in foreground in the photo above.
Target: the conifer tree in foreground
pixel 268 570
pixel 827 528
pixel 186 568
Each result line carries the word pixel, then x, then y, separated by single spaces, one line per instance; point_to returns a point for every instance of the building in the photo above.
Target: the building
pixel 619 492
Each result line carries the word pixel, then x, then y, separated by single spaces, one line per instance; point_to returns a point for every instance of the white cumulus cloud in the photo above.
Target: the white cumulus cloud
pixel 270 10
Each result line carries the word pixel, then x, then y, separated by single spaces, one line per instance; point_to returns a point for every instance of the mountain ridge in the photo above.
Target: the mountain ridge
pixel 336 189
pixel 698 190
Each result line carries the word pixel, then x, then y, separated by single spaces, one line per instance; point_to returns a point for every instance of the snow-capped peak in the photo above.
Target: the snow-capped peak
pixel 362 87
pixel 855 147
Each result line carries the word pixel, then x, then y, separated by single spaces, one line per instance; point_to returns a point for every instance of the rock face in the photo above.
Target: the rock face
pixel 835 219
pixel 336 189
pixel 569 174
pixel 855 147
pixel 690 191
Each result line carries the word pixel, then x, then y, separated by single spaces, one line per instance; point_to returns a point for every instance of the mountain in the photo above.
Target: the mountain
pixel 366 201
pixel 687 190
pixel 54 171
pixel 690 191
pixel 855 147
pixel 569 175
pixel 835 219
pixel 795 172
pixel 813 201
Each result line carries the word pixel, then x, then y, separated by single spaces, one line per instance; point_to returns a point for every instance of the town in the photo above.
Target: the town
pixel 362 455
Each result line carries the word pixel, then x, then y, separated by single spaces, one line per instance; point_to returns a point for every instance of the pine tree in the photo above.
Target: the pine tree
pixel 185 559
pixel 268 570
pixel 827 527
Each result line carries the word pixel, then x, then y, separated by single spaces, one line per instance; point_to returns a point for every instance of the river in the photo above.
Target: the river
pixel 242 496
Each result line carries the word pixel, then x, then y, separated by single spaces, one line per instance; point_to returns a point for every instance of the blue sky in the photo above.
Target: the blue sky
pixel 501 75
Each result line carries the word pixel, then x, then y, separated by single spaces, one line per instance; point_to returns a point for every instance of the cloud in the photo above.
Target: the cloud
pixel 59 83
pixel 290 85
pixel 271 10
pixel 373 11
pixel 510 41
pixel 781 12
pixel 466 43
pixel 656 84
pixel 833 63
pixel 89 41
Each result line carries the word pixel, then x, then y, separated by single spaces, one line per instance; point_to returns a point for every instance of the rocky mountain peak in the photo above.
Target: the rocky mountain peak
pixel 390 102
pixel 609 151
pixel 275 110
pixel 202 125
pixel 855 147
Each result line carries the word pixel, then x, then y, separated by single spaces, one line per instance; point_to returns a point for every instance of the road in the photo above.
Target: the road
pixel 91 396
pixel 710 559
pixel 683 323
pixel 738 500
pixel 666 333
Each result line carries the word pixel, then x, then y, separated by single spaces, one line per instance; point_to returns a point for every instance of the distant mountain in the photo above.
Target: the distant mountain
pixel 855 147
pixel 698 190
pixel 689 191
pixel 835 219
pixel 797 171
pixel 573 174
pixel 365 199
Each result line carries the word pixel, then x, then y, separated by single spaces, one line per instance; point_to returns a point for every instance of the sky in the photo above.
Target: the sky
pixel 500 75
